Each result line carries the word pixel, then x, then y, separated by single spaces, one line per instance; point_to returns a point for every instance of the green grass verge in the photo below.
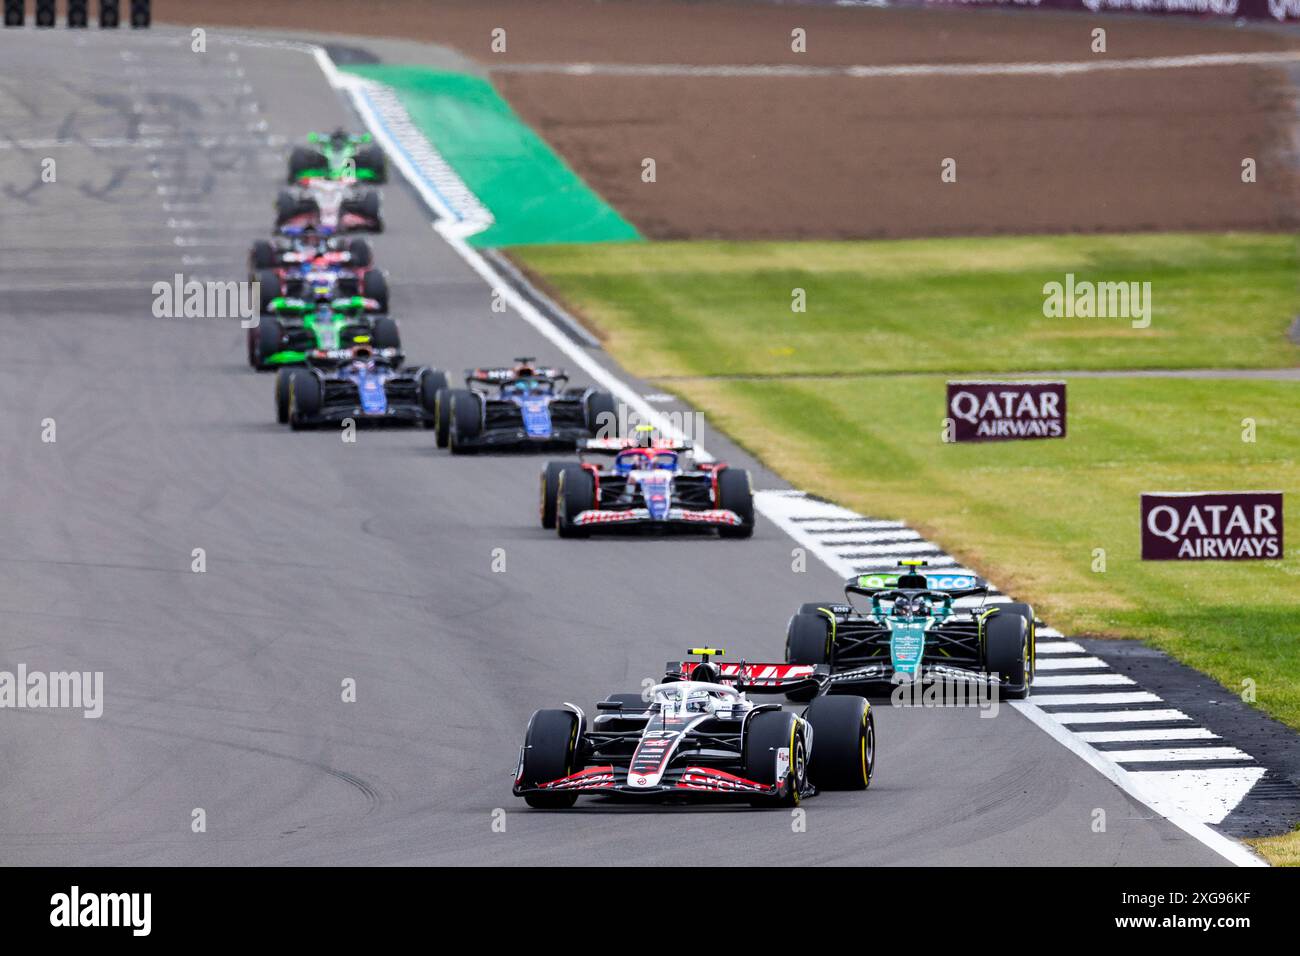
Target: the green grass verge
pixel 1028 514
pixel 718 308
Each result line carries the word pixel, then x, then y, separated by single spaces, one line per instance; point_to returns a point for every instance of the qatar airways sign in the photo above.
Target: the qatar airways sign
pixel 1212 526
pixel 1005 411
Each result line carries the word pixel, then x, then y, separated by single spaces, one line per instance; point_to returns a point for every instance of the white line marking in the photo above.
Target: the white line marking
pixel 1081 680
pixel 1060 68
pixel 1136 736
pixel 1057 647
pixel 1208 794
pixel 1172 806
pixel 1178 753
pixel 1069 663
pixel 1133 697
pixel 1119 717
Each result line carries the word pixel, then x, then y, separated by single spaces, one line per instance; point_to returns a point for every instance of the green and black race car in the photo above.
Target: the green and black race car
pixel 909 627
pixel 294 330
pixel 338 156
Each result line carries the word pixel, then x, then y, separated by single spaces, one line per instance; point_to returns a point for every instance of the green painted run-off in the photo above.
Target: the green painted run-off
pixel 533 196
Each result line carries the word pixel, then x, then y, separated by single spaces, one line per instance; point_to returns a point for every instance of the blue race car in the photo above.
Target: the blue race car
pixel 524 407
pixel 369 386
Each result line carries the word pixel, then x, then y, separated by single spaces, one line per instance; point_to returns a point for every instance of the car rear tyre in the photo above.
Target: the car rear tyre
pixel 575 493
pixel 736 494
pixel 384 333
pixel 550 753
pixel 1027 612
pixel 375 286
pixel 373 159
pixel 360 255
pixel 602 415
pixel 807 641
pixel 442 418
pixel 283 388
pixel 304 399
pixel 1007 654
pixel 266 340
pixel 466 420
pixel 766 735
pixel 843 753
pixel 268 284
pixel 432 382
pixel 303 159
pixel 262 256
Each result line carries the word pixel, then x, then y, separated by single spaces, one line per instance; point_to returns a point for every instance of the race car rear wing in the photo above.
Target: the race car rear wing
pixel 499 376
pixel 612 446
pixel 914 575
pixel 757 678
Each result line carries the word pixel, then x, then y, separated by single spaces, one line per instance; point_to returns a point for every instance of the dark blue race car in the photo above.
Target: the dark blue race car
pixel 369 386
pixel 523 407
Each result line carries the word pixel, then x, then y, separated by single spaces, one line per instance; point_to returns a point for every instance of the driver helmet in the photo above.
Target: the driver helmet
pixel 706 673
pixel 363 353
pixel 902 606
pixel 920 607
pixel 339 137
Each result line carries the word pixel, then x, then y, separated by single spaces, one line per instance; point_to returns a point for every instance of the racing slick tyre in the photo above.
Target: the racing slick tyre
pixel 283 387
pixel 303 159
pixel 304 399
pixel 575 493
pixel 442 418
pixel 262 256
pixel 466 414
pixel 268 285
pixel 775 737
pixel 433 382
pixel 807 641
pixel 373 159
pixel 1027 612
pixel 375 286
pixel 550 491
pixel 361 256
pixel 264 341
pixel 384 333
pixel 602 415
pixel 735 493
pixel 368 206
pixel 1007 654
pixel 287 205
pixel 843 755
pixel 550 752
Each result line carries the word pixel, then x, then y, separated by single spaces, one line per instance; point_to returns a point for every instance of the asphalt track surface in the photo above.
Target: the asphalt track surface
pixel 370 561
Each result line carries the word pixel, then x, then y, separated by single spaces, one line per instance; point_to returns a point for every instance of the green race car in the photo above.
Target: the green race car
pixel 293 331
pixel 913 625
pixel 339 156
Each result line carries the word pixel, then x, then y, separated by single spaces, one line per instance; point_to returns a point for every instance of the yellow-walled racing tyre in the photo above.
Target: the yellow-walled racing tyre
pixel 843 754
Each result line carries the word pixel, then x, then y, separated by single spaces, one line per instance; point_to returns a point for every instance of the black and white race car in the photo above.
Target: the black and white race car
pixel 698 735
pixel 651 484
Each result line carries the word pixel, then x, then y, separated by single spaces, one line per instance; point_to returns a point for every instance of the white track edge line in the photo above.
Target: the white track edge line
pixel 1231 850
